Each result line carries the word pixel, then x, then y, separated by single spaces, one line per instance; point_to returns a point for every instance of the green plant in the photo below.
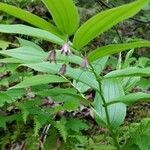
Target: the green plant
pixel 69 68
pixel 136 135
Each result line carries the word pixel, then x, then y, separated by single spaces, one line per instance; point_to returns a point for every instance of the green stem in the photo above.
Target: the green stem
pixel 113 134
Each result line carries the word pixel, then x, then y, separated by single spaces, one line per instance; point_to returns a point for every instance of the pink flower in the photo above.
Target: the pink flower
pixel 65 49
pixel 85 63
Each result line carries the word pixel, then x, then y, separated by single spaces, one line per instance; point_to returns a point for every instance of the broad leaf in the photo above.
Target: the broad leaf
pixel 81 75
pixel 111 89
pixel 29 18
pixel 131 98
pixel 64 14
pixel 115 48
pixel 39 80
pixel 30 31
pixel 104 21
pixel 131 71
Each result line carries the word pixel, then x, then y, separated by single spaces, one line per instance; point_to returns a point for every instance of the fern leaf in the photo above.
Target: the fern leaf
pixel 60 126
pixel 76 125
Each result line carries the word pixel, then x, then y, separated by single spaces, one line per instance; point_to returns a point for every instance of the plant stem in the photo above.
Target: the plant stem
pixel 113 134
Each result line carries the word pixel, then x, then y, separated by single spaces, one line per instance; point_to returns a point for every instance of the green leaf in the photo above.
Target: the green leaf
pixel 4 44
pixel 24 43
pixel 76 125
pixel 131 98
pixel 64 14
pixel 56 91
pixel 98 65
pixel 144 83
pixel 28 54
pixel 131 71
pixel 29 18
pixel 115 48
pixel 10 96
pixel 143 142
pixel 61 127
pixel 11 61
pixel 30 31
pixel 128 83
pixel 4 98
pixel 33 53
pixel 104 21
pixel 67 93
pixel 111 89
pixel 39 80
pixel 71 58
pixel 81 75
pixel 72 105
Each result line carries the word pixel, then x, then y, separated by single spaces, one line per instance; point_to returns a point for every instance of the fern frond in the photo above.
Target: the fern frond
pixel 60 126
pixel 76 125
pixel 37 126
pixel 32 142
pixel 139 135
pixel 10 96
pixel 140 128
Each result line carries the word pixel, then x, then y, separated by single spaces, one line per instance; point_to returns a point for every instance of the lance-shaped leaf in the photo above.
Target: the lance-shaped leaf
pixel 33 53
pixel 24 43
pixel 115 48
pixel 132 71
pixel 27 53
pixel 29 18
pixel 11 61
pixel 39 80
pixel 98 65
pixel 81 75
pixel 30 31
pixel 104 21
pixel 111 89
pixel 131 98
pixel 64 14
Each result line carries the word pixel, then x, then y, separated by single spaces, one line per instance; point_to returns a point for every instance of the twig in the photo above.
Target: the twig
pixel 44 133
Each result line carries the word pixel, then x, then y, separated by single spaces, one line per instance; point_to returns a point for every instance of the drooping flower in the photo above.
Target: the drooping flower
pixel 63 69
pixel 66 49
pixel 84 63
pixel 51 56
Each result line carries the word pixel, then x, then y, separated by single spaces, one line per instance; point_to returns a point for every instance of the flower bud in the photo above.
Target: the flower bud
pixel 63 69
pixel 52 56
pixel 84 63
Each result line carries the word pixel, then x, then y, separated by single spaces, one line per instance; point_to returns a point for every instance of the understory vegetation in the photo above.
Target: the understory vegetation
pixel 74 75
